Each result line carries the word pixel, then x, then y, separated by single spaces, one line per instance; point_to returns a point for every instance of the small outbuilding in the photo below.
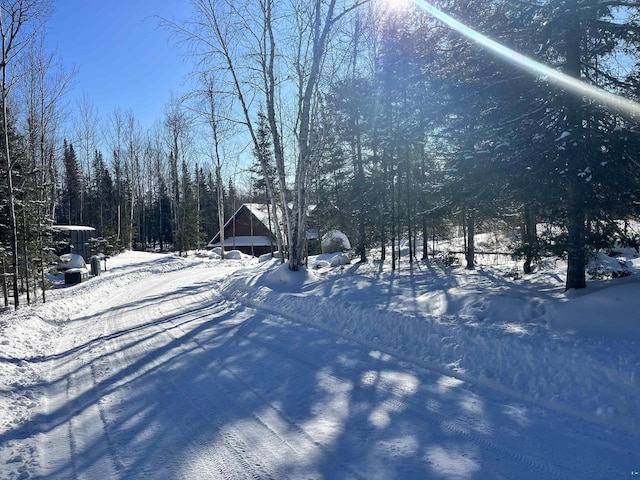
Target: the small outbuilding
pixel 73 239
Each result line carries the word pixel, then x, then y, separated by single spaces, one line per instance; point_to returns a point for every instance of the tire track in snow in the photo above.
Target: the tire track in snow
pixel 74 399
pixel 232 395
pixel 90 457
pixel 139 346
pixel 397 402
pixel 92 452
pixel 127 351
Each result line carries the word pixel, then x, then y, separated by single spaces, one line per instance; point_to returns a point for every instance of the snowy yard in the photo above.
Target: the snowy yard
pixel 193 368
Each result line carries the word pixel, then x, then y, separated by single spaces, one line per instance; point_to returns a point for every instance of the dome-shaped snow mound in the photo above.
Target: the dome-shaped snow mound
pixel 335 241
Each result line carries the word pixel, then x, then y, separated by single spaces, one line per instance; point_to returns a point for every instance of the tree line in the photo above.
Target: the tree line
pixel 146 193
pixel 391 123
pixel 143 189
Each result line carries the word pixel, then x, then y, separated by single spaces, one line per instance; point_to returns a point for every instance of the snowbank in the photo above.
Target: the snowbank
pixel 525 338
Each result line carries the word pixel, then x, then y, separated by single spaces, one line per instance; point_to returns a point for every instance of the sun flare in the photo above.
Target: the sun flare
pixel 579 87
pixel 396 5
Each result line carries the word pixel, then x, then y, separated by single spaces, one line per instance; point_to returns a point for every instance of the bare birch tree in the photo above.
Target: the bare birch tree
pixel 317 21
pixel 213 119
pixel 86 140
pixel 234 39
pixel 177 125
pixel 20 21
pixel 269 50
pixel 115 135
pixel 133 172
pixel 43 83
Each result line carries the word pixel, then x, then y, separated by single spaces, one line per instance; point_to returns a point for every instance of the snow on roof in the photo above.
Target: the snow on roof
pixel 261 212
pixel 68 228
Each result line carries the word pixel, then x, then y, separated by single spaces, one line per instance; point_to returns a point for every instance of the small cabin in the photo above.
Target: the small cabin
pixel 249 230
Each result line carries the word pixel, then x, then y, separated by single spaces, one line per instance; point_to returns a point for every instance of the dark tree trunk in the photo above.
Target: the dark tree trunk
pixel 530 238
pixel 470 254
pixel 409 215
pixel 393 225
pixel 576 241
pixel 425 237
pixel 576 248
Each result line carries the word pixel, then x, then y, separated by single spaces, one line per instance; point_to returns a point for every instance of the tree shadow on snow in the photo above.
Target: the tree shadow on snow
pixel 215 392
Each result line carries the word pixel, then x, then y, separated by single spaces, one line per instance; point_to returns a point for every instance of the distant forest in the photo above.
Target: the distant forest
pixel 390 123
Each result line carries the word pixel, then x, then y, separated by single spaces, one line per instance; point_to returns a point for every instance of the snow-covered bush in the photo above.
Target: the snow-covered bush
pixel 233 255
pixel 329 260
pixel 335 241
pixel 447 259
pixel 607 266
pixel 322 264
pixel 207 254
pixel 265 257
pixel 340 259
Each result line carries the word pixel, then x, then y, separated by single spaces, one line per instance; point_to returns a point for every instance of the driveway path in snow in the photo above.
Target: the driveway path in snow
pixel 167 379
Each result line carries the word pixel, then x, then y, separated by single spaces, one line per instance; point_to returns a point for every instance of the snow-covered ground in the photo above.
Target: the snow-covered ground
pixel 196 368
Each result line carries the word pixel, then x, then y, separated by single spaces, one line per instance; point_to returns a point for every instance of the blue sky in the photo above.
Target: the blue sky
pixel 123 59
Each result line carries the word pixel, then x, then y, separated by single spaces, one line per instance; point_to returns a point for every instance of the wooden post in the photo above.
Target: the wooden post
pixel 5 292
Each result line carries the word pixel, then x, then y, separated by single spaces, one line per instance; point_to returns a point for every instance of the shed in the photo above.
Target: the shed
pixel 75 239
pixel 250 230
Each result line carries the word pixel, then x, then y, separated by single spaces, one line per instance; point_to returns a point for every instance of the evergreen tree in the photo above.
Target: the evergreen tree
pixel 232 201
pixel 208 205
pixel 333 181
pixel 188 233
pixel 263 154
pixel 518 143
pixel 101 213
pixel 26 205
pixel 596 177
pixel 71 195
pixel 161 226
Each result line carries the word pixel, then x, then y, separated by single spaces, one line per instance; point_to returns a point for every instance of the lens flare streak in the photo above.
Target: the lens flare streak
pixel 615 102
